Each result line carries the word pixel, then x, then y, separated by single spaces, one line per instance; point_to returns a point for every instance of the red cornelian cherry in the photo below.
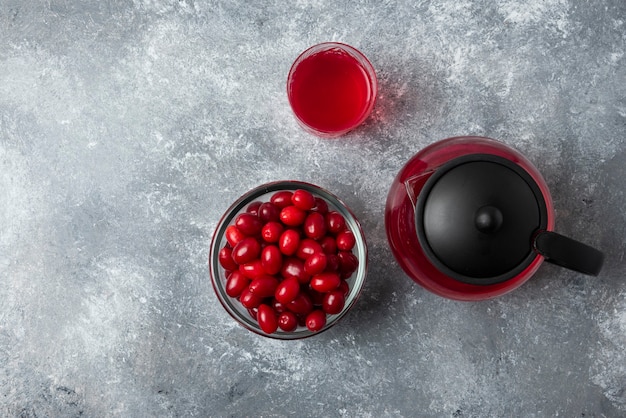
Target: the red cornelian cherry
pixel 335 222
pixel 292 215
pixel 233 235
pixel 287 290
pixel 316 320
pixel 303 199
pixel 325 282
pixel 287 321
pixel 348 263
pixel 226 260
pixel 333 302
pixel 253 208
pixel 278 307
pixel 301 305
pixel 329 245
pixel 316 263
pixel 307 248
pixel 267 319
pixel 269 212
pixel 271 259
pixel 236 283
pixel 249 300
pixel 264 286
pixel 272 231
pixel 253 269
pixel 345 240
pixel 246 250
pixel 293 266
pixel 289 242
pixel 248 224
pixel 333 262
pixel 282 199
pixel 320 206
pixel 315 225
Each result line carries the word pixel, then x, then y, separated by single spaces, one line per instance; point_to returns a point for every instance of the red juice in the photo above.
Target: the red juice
pixel 331 89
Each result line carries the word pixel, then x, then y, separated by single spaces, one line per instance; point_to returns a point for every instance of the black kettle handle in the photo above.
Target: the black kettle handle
pixel 569 253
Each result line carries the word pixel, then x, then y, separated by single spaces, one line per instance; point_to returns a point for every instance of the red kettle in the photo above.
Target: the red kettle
pixel 470 218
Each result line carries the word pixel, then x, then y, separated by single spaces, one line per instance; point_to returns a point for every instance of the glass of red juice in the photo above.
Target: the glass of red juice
pixel 331 88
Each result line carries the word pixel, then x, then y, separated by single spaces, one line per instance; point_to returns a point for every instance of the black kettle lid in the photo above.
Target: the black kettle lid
pixel 476 217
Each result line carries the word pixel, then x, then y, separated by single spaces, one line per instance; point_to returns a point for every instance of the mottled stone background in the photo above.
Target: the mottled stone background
pixel 128 127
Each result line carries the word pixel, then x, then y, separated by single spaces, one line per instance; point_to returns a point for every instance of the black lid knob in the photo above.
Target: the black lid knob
pixel 488 219
pixel 476 217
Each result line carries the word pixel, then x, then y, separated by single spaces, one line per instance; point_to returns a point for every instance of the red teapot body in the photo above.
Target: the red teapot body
pixel 470 218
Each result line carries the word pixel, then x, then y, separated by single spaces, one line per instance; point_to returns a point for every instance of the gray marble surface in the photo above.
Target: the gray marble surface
pixel 128 127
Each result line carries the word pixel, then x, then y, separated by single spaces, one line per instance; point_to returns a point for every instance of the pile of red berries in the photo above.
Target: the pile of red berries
pixel 287 261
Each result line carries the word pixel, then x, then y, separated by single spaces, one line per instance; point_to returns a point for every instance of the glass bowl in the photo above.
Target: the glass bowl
pixel 263 193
